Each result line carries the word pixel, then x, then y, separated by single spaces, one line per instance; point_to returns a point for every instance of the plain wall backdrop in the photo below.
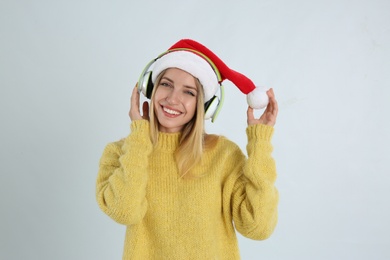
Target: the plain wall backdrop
pixel 67 69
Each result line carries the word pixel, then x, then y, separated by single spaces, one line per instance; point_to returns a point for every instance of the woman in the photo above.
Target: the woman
pixel 180 192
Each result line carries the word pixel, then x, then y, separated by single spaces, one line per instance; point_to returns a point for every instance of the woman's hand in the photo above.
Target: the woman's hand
pixel 269 115
pixel 134 112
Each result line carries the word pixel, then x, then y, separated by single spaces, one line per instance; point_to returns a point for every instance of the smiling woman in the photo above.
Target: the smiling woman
pixel 177 189
pixel 175 100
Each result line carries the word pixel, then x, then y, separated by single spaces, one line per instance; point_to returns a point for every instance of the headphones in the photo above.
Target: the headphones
pixel 212 107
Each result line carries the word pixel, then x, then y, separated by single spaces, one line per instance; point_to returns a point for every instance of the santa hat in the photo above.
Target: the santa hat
pixel 202 63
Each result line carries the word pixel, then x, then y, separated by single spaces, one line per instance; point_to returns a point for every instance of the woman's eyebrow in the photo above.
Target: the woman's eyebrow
pixel 167 79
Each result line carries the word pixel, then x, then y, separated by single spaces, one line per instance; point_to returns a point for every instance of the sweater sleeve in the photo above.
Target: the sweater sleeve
pixel 254 196
pixel 122 176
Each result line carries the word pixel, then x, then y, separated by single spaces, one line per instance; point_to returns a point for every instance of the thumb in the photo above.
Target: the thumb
pixel 249 113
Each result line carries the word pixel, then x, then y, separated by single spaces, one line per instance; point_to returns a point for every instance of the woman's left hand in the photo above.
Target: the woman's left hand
pixel 269 115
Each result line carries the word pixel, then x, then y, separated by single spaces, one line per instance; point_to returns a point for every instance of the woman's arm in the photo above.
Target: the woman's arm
pixel 254 197
pixel 122 177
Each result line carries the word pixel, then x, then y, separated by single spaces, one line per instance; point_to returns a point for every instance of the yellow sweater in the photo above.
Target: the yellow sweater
pixel 169 217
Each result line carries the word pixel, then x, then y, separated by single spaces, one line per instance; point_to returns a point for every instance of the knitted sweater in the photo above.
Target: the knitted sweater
pixel 169 217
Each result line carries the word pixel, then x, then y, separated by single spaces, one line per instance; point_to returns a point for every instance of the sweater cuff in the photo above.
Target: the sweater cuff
pixel 260 132
pixel 139 125
pixel 139 135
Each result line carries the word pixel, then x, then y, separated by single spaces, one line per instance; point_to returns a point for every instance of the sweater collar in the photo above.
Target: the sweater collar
pixel 168 141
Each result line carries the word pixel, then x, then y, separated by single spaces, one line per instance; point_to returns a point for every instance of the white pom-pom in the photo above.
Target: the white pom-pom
pixel 258 98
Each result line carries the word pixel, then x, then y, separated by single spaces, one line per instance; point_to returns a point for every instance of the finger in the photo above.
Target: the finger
pixel 275 107
pixel 271 93
pixel 134 112
pixel 135 96
pixel 145 110
pixel 274 103
pixel 273 112
pixel 249 113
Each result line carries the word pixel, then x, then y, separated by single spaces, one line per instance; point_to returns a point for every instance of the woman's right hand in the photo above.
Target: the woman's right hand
pixel 134 112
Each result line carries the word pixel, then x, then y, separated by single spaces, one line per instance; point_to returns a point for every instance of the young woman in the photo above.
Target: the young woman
pixel 183 193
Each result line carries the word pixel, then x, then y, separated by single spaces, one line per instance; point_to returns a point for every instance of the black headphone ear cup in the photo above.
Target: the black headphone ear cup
pixel 146 84
pixel 210 107
pixel 149 86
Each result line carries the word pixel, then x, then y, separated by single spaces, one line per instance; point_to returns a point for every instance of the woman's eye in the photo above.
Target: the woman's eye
pixel 190 93
pixel 165 84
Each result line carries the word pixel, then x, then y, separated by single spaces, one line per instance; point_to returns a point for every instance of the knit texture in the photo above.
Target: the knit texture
pixel 169 217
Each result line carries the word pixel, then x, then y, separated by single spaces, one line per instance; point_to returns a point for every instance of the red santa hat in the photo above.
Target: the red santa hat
pixel 203 64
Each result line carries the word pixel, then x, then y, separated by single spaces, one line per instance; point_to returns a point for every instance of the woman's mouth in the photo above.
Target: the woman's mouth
pixel 171 112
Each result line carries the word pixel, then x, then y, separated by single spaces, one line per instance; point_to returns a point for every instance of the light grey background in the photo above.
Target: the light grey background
pixel 66 73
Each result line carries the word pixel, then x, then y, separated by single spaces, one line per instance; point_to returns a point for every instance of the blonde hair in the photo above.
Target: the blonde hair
pixel 193 140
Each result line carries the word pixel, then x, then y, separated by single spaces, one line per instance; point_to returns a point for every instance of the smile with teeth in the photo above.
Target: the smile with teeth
pixel 170 111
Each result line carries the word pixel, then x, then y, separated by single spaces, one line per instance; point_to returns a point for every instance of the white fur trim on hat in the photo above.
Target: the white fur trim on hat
pixel 191 63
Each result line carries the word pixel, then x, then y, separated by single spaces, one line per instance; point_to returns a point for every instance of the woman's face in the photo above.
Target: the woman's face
pixel 175 100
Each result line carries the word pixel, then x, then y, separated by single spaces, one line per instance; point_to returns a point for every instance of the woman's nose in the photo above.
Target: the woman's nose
pixel 173 97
